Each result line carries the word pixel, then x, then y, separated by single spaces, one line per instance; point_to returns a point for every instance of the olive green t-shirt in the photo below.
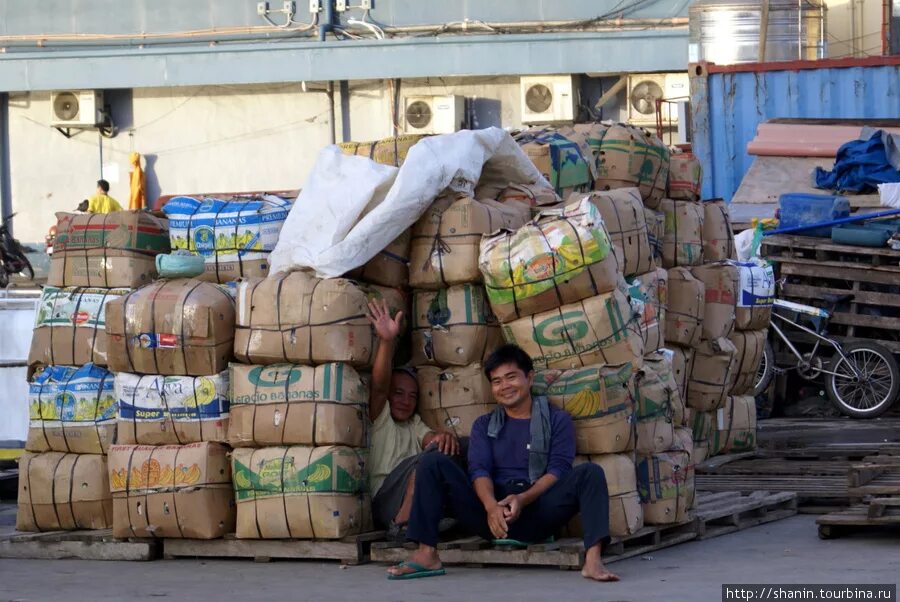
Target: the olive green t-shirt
pixel 392 442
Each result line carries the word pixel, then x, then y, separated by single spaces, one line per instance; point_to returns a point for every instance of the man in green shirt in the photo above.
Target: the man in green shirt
pixel 398 433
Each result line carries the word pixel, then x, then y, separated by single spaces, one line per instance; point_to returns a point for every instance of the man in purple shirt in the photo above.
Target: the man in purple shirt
pixel 521 484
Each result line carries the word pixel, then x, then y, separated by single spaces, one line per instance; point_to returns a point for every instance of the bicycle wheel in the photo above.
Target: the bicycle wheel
pixel 875 389
pixel 766 371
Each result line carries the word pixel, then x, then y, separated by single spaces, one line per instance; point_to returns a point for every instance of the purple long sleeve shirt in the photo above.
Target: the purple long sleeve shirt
pixel 505 458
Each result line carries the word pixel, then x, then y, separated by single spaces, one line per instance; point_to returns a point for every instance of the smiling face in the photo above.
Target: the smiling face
pixel 510 385
pixel 403 396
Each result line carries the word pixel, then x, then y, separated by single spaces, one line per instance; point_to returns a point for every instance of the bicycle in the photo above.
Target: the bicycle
pixel 12 255
pixel 861 379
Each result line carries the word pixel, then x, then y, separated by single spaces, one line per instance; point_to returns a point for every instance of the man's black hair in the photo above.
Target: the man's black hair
pixel 104 185
pixel 508 354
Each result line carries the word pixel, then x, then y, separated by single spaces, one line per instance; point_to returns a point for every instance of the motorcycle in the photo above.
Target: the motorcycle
pixel 12 255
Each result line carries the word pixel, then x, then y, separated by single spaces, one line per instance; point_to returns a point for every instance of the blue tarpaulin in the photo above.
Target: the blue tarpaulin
pixel 863 164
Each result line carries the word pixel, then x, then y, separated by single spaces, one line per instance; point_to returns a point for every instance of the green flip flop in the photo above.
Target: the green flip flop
pixel 515 543
pixel 419 572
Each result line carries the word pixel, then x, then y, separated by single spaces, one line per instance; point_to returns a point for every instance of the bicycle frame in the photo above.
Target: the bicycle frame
pixel 812 311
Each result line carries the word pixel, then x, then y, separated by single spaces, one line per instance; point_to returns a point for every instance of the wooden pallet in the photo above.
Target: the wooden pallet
pixel 727 512
pixel 814 267
pixel 809 479
pixel 879 514
pixel 876 477
pixel 86 545
pixel 565 553
pixel 349 550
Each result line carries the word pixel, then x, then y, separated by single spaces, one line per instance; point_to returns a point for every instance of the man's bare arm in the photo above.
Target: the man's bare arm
pixel 387 329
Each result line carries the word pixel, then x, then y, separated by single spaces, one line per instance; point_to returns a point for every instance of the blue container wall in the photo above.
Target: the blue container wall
pixel 728 107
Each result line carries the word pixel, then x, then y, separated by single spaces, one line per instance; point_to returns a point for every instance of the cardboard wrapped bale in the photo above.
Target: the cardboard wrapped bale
pixel 623 215
pixel 720 286
pixel 631 157
pixel 234 236
pixel 718 237
pixel 683 237
pixel 685 177
pixel 63 492
pixel 656 231
pixel 71 409
pixel 390 267
pixel 666 486
pixel 600 330
pixel 288 404
pixel 712 374
pixel 110 250
pixel 565 161
pixel 682 360
pixel 453 326
pixel 173 491
pixel 451 399
pixel 750 346
pixel 534 195
pixel 562 256
pixel 702 425
pixel 600 400
pixel 625 515
pixel 684 441
pixel 649 295
pixel 70 326
pixel 445 241
pixel 171 327
pixel 755 297
pixel 298 318
pixel 735 426
pixel 659 407
pixel 300 492
pixel 171 410
pixel 388 151
pixel 685 308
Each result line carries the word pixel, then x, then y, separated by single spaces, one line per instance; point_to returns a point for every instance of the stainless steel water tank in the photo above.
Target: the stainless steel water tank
pixel 727 31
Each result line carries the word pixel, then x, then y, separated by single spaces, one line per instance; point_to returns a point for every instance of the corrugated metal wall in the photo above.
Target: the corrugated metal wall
pixel 730 102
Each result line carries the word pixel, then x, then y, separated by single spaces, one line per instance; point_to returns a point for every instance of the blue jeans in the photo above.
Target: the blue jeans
pixel 443 489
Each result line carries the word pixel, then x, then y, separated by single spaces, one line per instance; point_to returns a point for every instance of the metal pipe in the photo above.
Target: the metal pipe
pixel 844 220
pixel 329 91
pixel 345 110
pixel 328 24
pixel 5 185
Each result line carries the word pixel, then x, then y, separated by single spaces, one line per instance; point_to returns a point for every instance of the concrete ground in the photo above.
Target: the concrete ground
pixel 787 551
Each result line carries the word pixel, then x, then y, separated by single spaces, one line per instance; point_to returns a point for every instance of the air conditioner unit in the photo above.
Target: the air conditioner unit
pixel 644 89
pixel 76 108
pixel 434 114
pixel 548 98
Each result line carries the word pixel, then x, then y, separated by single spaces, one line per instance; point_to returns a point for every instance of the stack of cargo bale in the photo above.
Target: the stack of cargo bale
pixel 63 480
pixel 234 236
pixel 453 328
pixel 556 286
pixel 169 343
pixel 299 405
pixel 388 151
pixel 562 155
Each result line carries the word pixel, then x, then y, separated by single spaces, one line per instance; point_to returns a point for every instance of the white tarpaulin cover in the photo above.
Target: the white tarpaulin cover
pixel 351 207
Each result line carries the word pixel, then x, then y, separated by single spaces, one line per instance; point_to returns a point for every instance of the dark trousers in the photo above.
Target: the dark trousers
pixel 443 489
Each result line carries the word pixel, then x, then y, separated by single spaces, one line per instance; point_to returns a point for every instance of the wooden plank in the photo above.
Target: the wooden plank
pixel 770 177
pixel 802 337
pixel 861 474
pixel 716 462
pixel 523 557
pixel 37 548
pixel 805 291
pixel 717 530
pixel 879 322
pixel 347 550
pixel 857 516
pixel 836 270
pixel 817 243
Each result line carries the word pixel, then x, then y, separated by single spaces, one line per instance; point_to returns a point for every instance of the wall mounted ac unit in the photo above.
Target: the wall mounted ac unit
pixel 644 89
pixel 548 98
pixel 434 114
pixel 76 108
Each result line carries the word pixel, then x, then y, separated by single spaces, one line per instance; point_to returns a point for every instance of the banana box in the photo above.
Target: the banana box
pixel 452 399
pixel 712 375
pixel 453 326
pixel 600 401
pixel 686 297
pixel 177 491
pixel 648 294
pixel 659 405
pixel 600 330
pixel 301 492
pixel 71 409
pixel 59 491
pixel 171 410
pixel 625 514
pixel 735 426
pixel 562 256
pixel 623 214
pixel 291 404
pixel 750 346
pixel 666 486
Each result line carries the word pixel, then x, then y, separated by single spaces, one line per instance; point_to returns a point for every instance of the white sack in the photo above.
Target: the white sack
pixel 351 207
pixel 890 195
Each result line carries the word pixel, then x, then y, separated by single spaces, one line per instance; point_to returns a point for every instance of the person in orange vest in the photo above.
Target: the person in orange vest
pixel 101 202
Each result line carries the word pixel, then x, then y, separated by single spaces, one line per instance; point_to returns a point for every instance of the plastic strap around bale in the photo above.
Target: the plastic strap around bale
pixel 309 325
pixel 30 496
pixel 72 490
pixel 181 337
pixel 168 411
pixel 62 426
pixel 255 503
pixel 190 222
pixel 250 326
pixel 41 416
pixel 53 492
pixel 175 493
pixel 287 521
pixel 128 491
pixel 511 275
pixel 125 336
pixel 97 410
